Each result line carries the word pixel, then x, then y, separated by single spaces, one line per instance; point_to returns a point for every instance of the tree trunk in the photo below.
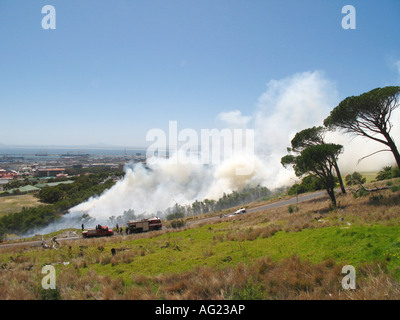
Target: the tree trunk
pixel 392 146
pixel 339 178
pixel 331 193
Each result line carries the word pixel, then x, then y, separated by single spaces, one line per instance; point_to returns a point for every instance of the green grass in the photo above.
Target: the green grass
pixel 188 249
pixel 165 263
pixel 12 204
pixel 369 175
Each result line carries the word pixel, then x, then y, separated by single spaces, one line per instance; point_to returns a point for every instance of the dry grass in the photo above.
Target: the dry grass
pixel 377 207
pixel 288 279
pixel 12 204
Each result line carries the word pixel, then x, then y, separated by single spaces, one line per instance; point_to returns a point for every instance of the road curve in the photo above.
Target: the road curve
pixel 273 205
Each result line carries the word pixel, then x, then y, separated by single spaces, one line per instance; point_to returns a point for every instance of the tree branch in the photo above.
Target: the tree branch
pixel 359 160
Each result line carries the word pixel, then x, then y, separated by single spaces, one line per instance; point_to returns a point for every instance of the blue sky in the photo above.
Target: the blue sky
pixel 112 70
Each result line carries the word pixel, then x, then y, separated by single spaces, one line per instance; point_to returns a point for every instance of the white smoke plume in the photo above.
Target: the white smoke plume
pixel 165 183
pixel 286 107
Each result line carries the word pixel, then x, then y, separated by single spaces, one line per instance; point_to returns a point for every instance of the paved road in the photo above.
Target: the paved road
pixel 294 200
pixel 277 204
pixel 36 243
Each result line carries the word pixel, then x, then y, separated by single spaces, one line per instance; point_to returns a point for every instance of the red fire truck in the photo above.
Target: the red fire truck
pixel 144 225
pixel 99 231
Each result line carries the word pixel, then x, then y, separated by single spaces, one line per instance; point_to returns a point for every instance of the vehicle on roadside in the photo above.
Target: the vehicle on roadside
pixel 240 211
pixel 144 225
pixel 98 231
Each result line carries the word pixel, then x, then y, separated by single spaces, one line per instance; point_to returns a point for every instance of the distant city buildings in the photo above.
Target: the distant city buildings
pixel 8 174
pixel 34 169
pixel 50 172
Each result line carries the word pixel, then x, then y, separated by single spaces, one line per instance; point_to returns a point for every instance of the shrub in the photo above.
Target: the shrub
pixel 360 193
pixel 388 173
pixel 395 188
pixel 355 178
pixel 308 184
pixel 178 223
pixel 375 199
pixel 176 215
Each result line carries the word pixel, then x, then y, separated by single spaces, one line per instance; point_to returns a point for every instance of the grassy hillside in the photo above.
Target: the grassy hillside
pixel 285 253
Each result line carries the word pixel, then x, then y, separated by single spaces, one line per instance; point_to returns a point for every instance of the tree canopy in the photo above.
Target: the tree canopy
pixel 307 138
pixel 368 115
pixel 319 160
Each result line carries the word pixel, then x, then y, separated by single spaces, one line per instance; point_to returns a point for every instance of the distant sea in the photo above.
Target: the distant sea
pixel 41 151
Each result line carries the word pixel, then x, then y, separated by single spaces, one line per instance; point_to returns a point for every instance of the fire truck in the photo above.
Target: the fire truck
pixel 98 231
pixel 144 225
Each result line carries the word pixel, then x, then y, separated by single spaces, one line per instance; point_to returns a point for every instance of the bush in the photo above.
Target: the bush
pixel 360 193
pixel 178 223
pixel 395 188
pixel 388 173
pixel 355 178
pixel 308 184
pixel 176 215
pixel 375 199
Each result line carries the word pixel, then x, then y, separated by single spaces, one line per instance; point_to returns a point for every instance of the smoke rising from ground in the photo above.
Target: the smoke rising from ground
pixel 287 106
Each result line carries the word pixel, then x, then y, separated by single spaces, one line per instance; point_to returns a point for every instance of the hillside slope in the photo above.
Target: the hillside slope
pixel 293 252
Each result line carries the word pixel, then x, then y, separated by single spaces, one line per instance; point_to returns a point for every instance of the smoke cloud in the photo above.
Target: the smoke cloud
pixel 287 106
